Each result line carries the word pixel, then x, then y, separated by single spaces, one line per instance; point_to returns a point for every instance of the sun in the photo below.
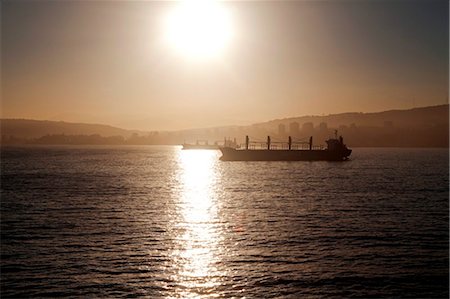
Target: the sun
pixel 199 28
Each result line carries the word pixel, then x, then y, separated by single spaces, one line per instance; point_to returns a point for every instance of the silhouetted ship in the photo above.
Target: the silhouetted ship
pixel 336 150
pixel 204 145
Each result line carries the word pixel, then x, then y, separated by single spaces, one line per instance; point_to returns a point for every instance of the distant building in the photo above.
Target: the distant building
pixel 323 126
pixel 308 127
pixel 294 128
pixel 281 129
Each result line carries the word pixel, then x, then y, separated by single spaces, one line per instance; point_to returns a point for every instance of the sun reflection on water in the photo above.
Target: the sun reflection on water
pixel 197 245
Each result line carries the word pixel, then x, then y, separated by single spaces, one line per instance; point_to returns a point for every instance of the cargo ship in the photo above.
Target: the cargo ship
pixel 335 150
pixel 204 145
pixel 200 144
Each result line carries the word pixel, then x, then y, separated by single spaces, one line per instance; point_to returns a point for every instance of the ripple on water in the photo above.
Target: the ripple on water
pixel 94 221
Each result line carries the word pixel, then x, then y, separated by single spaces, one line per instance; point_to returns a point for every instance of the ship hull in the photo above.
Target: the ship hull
pixel 230 154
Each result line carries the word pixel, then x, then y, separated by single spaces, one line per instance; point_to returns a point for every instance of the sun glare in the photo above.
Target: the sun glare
pixel 199 28
pixel 197 246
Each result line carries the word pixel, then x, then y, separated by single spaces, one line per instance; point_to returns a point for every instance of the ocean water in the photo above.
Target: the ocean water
pixel 93 221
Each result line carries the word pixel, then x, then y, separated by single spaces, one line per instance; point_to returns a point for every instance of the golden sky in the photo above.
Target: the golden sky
pixel 121 63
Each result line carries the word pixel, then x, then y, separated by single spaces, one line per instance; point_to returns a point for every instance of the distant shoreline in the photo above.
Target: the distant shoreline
pixel 179 145
pixel 424 127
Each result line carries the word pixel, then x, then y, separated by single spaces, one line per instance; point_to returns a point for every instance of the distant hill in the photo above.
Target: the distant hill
pixel 25 128
pixel 418 127
pixel 411 118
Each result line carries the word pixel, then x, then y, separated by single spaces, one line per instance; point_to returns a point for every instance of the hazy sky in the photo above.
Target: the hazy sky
pixel 109 62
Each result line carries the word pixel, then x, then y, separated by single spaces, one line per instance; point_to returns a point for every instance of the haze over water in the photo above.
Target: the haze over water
pixel 168 65
pixel 93 221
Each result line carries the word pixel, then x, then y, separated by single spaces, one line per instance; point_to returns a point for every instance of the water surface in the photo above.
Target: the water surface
pixel 93 221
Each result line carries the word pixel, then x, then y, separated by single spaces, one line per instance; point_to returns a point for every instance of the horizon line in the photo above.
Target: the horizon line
pixel 217 126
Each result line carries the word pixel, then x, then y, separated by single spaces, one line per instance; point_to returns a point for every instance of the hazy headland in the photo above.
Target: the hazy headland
pixel 417 127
